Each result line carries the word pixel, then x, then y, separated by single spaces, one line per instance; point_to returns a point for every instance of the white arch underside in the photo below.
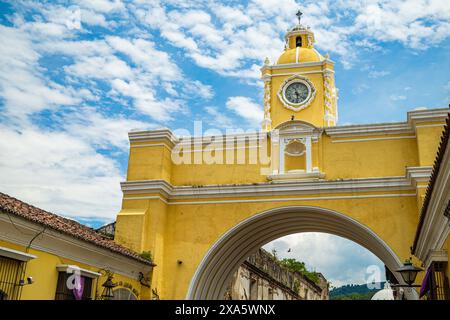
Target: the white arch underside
pixel 223 258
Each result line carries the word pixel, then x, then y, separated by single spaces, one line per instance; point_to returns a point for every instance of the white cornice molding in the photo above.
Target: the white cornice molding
pixel 170 140
pixel 296 65
pixel 161 187
pixel 368 129
pixel 298 127
pixel 409 127
pixel 435 255
pixel 159 135
pixel 427 115
pixel 54 242
pixel 418 174
pixel 73 268
pixel 313 176
pixel 278 188
pixel 269 76
pixel 16 255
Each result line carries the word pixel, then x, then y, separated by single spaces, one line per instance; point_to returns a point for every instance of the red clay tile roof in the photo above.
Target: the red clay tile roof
pixel 437 165
pixel 69 227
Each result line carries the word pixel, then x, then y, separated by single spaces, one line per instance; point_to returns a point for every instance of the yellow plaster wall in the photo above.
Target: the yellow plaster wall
pixel 192 229
pixel 146 163
pixel 350 159
pixel 428 142
pixel 372 158
pixel 130 228
pixel 294 163
pixel 206 174
pixel 153 216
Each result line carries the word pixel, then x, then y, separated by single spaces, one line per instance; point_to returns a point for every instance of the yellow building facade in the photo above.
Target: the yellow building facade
pixel 202 204
pixel 46 257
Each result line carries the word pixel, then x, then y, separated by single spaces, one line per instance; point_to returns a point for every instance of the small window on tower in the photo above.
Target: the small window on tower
pixel 298 41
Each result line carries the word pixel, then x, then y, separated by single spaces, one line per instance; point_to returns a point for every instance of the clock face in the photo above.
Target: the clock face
pixel 296 92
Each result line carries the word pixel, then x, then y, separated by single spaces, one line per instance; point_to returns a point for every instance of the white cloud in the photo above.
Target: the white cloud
pixel 22 86
pixel 145 100
pixel 218 118
pixel 98 130
pixel 397 97
pixel 243 34
pixel 199 89
pixel 104 6
pixel 374 74
pixel 109 67
pixel 340 260
pixel 150 60
pixel 414 23
pixel 247 109
pixel 59 173
pixel 93 18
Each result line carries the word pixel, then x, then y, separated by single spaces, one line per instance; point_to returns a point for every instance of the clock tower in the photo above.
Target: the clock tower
pixel 300 85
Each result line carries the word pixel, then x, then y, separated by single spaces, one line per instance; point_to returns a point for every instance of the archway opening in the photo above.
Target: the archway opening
pixel 216 269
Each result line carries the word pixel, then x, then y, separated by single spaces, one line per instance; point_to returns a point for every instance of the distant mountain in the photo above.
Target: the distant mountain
pixel 354 292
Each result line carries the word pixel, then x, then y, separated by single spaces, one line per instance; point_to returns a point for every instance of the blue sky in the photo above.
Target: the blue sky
pixel 341 261
pixel 76 76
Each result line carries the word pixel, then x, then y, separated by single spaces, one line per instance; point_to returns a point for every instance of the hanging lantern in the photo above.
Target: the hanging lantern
pixel 409 272
pixel 108 286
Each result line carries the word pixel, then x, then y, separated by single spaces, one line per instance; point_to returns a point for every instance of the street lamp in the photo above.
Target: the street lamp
pixel 108 293
pixel 409 272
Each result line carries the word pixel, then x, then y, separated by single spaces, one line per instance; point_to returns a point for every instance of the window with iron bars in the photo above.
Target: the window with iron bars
pixel 64 293
pixel 11 271
pixel 439 285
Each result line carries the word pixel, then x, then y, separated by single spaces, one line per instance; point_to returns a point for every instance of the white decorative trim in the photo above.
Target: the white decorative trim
pixel 279 188
pixel 418 174
pixel 296 65
pixel 206 202
pixel 73 268
pixel 300 72
pixel 409 127
pixel 308 175
pixel 308 154
pixel 267 121
pixel 435 255
pixel 298 141
pixel 165 135
pixel 369 129
pixel 373 139
pixel 430 125
pixel 16 255
pixel 296 106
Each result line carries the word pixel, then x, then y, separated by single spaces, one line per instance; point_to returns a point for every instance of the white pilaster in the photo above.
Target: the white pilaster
pixel 281 160
pixel 308 154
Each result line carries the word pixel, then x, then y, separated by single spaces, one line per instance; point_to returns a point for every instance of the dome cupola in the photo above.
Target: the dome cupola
pixel 299 45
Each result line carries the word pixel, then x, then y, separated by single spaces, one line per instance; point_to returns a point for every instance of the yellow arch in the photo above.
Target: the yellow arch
pixel 223 258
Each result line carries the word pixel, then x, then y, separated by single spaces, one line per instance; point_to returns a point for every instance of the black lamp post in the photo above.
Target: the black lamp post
pixel 108 286
pixel 409 273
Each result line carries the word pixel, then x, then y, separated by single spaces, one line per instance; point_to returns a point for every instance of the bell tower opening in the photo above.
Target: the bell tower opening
pixel 298 41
